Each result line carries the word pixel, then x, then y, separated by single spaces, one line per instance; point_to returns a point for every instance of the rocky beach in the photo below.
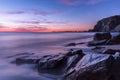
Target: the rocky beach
pixel 59 40
pixel 101 63
pixel 93 56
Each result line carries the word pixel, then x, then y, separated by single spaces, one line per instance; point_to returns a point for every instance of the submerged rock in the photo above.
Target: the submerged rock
pixel 27 60
pixel 96 43
pixel 97 47
pixel 71 44
pixel 91 67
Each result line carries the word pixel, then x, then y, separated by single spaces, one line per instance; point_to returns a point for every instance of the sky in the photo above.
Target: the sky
pixel 54 15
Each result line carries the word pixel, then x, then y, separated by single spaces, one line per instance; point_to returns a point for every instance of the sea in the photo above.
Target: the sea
pixel 12 43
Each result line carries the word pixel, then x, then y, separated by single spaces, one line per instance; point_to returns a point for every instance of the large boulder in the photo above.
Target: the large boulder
pixel 110 51
pixel 108 24
pixel 116 67
pixel 56 61
pixel 102 36
pixel 73 60
pixel 52 62
pixel 100 39
pixel 92 67
pixel 114 40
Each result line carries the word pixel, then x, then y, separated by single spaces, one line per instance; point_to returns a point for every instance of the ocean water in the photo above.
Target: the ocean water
pixel 39 43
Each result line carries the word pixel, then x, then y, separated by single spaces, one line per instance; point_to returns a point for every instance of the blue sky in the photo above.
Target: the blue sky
pixel 54 15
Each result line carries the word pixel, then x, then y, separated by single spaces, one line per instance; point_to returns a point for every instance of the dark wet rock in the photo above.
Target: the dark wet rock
pixel 110 51
pixel 81 43
pixel 26 60
pixel 21 55
pixel 73 59
pixel 79 52
pixel 51 62
pixel 116 66
pixel 114 40
pixel 71 44
pixel 71 53
pixel 96 43
pixel 100 39
pixel 108 24
pixel 56 61
pixel 102 36
pixel 91 67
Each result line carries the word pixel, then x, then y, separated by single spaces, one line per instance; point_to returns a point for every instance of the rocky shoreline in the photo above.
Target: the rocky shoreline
pixel 103 64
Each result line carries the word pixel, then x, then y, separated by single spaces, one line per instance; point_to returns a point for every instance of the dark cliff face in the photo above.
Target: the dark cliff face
pixel 108 24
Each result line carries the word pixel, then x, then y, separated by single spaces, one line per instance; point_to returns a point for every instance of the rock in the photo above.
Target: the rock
pixel 72 60
pixel 51 62
pixel 100 39
pixel 117 29
pixel 102 36
pixel 107 24
pixel 81 43
pixel 60 60
pixel 114 40
pixel 80 52
pixel 95 43
pixel 25 58
pixel 71 44
pixel 116 67
pixel 71 53
pixel 92 67
pixel 26 61
pixel 110 51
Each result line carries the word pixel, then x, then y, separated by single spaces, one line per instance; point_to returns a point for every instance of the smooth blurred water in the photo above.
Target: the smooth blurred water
pixel 40 43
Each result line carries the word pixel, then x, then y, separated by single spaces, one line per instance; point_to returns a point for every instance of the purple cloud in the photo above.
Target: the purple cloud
pixel 45 13
pixel 30 29
pixel 13 12
pixel 34 12
pixel 74 2
pixel 43 22
pixel 28 22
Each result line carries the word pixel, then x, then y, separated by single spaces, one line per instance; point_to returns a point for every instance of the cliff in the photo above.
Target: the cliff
pixel 110 24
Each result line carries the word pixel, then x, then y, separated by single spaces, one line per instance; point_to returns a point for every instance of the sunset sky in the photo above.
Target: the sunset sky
pixel 54 15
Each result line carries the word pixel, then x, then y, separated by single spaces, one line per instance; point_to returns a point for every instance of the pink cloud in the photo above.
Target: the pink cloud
pixel 41 22
pixel 30 29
